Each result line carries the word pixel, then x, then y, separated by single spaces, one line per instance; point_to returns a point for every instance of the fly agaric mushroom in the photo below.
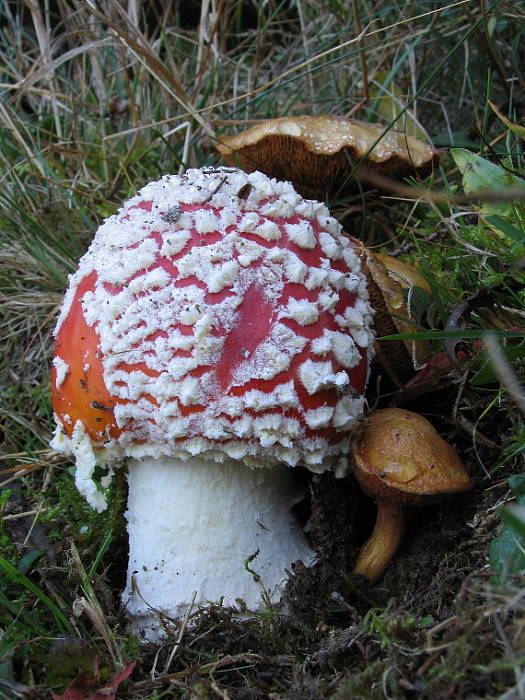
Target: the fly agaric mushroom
pixel 217 332
pixel 400 460
pixel 318 154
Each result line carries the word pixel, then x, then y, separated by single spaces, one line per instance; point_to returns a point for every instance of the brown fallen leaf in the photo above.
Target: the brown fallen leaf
pixel 87 687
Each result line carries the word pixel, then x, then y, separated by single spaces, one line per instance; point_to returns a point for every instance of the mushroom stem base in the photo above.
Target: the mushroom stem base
pixel 206 531
pixel 383 542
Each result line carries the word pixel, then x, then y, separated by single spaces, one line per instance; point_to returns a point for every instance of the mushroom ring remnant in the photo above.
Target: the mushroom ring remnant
pixel 217 331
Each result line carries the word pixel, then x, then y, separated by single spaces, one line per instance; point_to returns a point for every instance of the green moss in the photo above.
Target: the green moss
pixel 363 685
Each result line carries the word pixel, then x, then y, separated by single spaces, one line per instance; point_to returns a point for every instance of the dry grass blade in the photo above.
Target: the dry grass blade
pixel 139 46
pixel 325 54
pixel 362 56
pixel 19 473
pixel 27 513
pixel 16 132
pixel 505 373
pixel 91 606
pixel 50 66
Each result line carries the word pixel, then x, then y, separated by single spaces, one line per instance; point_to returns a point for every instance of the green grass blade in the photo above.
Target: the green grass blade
pixel 21 580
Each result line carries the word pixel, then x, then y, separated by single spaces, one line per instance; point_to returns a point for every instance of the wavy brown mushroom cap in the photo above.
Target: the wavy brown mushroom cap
pixel 388 279
pixel 320 154
pixel 400 459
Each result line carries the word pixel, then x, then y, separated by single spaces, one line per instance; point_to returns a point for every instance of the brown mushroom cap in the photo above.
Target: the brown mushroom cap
pixel 319 153
pixel 388 278
pixel 399 457
pixel 406 275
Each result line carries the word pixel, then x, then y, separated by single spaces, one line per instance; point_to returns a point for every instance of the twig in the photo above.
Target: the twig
pixel 211 195
pixel 225 661
pixel 27 513
pixel 508 194
pixel 181 632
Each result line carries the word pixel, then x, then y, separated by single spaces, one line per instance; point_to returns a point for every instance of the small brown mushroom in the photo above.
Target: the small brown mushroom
pixel 399 459
pixel 388 281
pixel 325 154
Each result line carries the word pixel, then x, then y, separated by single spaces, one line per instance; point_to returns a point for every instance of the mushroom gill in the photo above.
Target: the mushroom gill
pixel 325 154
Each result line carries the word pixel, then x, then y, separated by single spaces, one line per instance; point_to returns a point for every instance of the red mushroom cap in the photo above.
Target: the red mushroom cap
pixel 216 312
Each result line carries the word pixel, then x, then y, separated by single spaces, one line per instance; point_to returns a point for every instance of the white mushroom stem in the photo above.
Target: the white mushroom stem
pixel 194 526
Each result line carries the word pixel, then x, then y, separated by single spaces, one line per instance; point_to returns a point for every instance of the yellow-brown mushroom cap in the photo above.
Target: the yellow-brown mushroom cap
pixel 318 153
pixel 387 280
pixel 400 457
pixel 406 275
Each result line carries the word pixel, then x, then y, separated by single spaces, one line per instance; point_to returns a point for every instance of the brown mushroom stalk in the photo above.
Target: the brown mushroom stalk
pixel 400 459
pixel 383 542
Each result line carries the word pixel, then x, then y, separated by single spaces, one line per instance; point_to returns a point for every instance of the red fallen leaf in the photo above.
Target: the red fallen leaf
pixel 435 367
pixel 440 363
pixel 86 687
